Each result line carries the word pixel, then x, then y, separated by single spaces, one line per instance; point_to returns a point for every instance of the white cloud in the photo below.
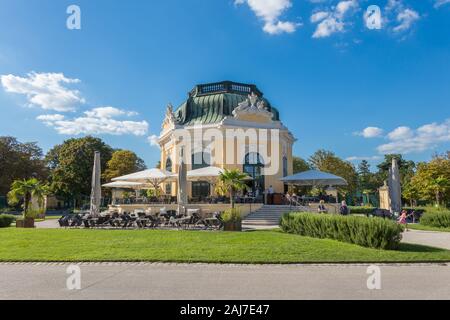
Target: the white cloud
pixel 370 158
pixel 108 112
pixel 332 20
pixel 406 140
pixel 319 16
pixel 96 121
pixel 406 19
pixel 280 27
pixel 401 133
pixel 439 3
pixel 370 132
pixel 270 12
pixel 153 140
pixel 46 90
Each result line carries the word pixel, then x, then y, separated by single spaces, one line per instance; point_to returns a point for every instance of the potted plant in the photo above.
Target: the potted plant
pixel 25 190
pixel 232 220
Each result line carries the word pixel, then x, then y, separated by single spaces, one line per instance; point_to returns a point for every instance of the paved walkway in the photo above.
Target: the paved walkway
pixel 47 224
pixel 428 238
pixel 213 281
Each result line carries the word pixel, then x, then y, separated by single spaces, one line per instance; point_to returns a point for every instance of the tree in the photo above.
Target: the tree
pixel 406 168
pixel 231 181
pixel 123 162
pixel 71 165
pixel 25 190
pixel 19 161
pixel 432 180
pixel 327 161
pixel 299 165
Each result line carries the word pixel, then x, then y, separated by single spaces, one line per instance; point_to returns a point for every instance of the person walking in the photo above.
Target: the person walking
pixel 343 210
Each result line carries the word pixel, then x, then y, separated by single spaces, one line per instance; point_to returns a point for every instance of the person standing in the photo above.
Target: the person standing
pixel 270 193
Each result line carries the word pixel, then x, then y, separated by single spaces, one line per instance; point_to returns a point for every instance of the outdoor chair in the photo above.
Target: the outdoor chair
pixel 214 222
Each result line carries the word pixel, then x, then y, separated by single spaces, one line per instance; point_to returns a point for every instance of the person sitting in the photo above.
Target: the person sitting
pixel 343 210
pixel 322 208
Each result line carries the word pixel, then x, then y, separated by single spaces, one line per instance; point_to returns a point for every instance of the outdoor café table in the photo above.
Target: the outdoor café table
pixel 251 199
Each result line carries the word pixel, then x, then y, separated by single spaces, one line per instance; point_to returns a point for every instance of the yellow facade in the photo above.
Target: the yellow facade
pixel 251 128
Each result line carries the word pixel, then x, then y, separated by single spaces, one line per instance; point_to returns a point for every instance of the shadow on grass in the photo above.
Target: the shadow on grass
pixel 409 247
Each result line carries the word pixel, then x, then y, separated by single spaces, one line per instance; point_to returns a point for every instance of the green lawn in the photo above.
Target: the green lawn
pixel 194 246
pixel 418 226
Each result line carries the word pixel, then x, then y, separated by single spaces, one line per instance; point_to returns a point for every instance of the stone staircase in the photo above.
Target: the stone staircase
pixel 268 216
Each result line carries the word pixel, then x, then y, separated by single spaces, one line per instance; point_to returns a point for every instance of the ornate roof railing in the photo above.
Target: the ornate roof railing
pixel 224 87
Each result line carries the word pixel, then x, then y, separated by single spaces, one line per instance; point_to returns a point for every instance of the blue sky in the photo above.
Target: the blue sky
pixel 338 85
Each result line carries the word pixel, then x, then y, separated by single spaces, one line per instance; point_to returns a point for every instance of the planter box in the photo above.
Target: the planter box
pixel 25 223
pixel 232 226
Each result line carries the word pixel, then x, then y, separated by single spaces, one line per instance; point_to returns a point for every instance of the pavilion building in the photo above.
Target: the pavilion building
pixel 231 126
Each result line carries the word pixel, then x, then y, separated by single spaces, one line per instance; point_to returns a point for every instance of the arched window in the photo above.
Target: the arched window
pixel 253 166
pixel 200 189
pixel 285 166
pixel 169 164
pixel 200 160
pixel 169 168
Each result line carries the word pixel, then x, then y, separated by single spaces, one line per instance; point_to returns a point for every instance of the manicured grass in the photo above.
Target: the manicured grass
pixel 194 246
pixel 418 226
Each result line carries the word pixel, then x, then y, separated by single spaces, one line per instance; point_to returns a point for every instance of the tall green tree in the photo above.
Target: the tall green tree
pixel 327 161
pixel 122 162
pixel 71 165
pixel 19 161
pixel 432 180
pixel 367 181
pixel 300 165
pixel 406 168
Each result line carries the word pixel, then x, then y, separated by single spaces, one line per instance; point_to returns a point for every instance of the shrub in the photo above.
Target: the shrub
pixel 6 220
pixel 367 232
pixel 438 219
pixel 361 210
pixel 232 215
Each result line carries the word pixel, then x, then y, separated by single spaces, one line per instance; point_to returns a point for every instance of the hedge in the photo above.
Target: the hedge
pixel 367 232
pixel 6 220
pixel 438 219
pixel 361 210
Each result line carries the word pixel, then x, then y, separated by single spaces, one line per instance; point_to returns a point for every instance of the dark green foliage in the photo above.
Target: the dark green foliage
pixel 438 219
pixel 367 232
pixel 361 210
pixel 6 220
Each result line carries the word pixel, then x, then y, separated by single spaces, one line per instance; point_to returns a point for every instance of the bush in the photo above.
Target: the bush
pixel 361 210
pixel 367 232
pixel 6 220
pixel 232 215
pixel 438 219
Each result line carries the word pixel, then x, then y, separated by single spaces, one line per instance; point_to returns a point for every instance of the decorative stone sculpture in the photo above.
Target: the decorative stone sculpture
pixel 253 105
pixel 170 117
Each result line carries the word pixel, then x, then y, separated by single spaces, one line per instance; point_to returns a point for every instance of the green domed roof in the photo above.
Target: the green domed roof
pixel 211 103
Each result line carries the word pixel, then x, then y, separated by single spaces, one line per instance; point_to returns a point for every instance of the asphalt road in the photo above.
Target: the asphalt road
pixel 212 281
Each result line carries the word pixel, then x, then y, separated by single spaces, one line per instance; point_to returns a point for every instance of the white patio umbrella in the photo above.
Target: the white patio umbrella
pixel 123 185
pixel 395 190
pixel 182 196
pixel 209 174
pixel 153 176
pixel 204 174
pixel 315 178
pixel 96 190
